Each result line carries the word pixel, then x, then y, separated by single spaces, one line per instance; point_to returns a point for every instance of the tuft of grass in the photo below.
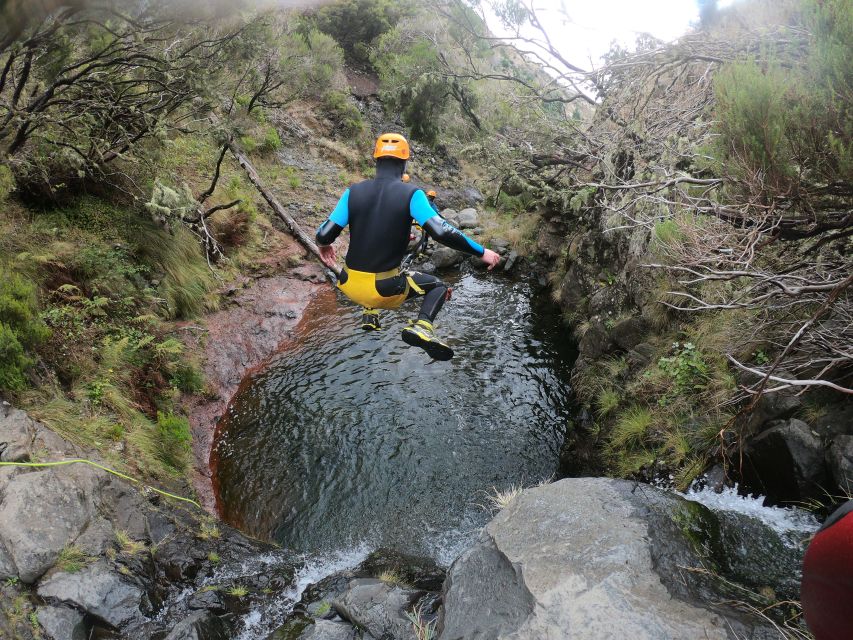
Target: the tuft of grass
pixel 499 499
pixel 391 577
pixel 424 630
pixel 214 557
pixel 238 591
pixel 627 464
pixel 323 608
pixel 188 282
pixel 615 367
pixel 209 531
pixel 606 401
pixel 127 544
pixel 71 559
pixel 631 428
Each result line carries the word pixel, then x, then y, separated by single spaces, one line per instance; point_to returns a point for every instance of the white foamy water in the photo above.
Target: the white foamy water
pixel 259 623
pixel 783 520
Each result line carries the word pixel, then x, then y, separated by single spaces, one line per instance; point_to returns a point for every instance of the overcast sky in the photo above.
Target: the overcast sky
pixel 593 24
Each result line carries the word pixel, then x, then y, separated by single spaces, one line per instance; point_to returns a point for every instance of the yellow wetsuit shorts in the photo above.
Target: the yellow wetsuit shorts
pixel 361 287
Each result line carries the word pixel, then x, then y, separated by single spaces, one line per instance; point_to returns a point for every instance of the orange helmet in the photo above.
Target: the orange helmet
pixel 391 145
pixel 406 177
pixel 431 193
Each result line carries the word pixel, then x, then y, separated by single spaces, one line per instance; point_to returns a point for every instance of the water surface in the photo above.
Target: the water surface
pixel 350 438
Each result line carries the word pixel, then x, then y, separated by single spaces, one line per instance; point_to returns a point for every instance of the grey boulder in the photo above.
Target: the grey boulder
pixel 786 462
pixel 41 513
pixel 201 625
pixel 586 558
pixel 61 623
pixel 841 462
pixel 468 218
pixel 378 607
pixel 96 590
pixel 445 257
pixel 328 630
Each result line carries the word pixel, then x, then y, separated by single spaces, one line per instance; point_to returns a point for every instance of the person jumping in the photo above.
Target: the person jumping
pixel 379 213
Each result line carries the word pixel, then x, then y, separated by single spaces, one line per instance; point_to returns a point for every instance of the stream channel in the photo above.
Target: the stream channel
pixel 350 440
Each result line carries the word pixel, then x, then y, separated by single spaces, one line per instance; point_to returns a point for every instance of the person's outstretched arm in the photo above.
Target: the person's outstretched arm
pixel 331 229
pixel 442 231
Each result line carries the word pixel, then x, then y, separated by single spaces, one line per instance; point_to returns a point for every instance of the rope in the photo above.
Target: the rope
pixel 103 468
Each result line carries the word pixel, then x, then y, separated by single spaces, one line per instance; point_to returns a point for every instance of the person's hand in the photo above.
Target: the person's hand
pixel 327 255
pixel 490 258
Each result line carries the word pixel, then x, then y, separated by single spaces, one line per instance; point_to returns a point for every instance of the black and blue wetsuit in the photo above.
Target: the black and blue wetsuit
pixel 379 213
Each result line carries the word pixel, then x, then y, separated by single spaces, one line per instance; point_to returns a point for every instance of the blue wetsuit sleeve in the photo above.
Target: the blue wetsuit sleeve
pixel 440 229
pixel 420 207
pixel 339 218
pixel 340 215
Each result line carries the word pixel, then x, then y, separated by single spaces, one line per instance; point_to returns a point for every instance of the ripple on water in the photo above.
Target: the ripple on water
pixel 350 438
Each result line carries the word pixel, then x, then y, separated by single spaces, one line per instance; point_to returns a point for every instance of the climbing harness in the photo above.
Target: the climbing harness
pixel 118 474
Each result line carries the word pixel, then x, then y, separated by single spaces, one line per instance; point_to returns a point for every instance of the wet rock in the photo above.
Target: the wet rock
pixel 595 342
pixel 303 628
pixel 328 630
pixel 209 599
pixel 837 419
pixel 840 459
pixel 511 261
pixel 42 512
pixel 318 596
pixel 609 301
pixel 61 623
pixel 201 625
pixel 772 406
pixel 590 558
pixel 785 462
pixel 640 355
pixel 97 591
pixel 468 218
pixel 572 288
pixel 378 607
pixel 419 571
pixel 476 263
pixel 181 559
pixel 757 557
pixel 309 273
pixel 629 333
pixel 445 257
pixel 499 245
pixel 426 267
pixel 715 478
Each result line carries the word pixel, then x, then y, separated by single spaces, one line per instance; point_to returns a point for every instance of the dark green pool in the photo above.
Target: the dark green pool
pixel 350 439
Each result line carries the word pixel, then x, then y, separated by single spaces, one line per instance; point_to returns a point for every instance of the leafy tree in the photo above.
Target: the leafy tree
pixel 355 24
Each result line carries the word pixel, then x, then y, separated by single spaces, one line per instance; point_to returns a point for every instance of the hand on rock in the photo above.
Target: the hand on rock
pixel 490 258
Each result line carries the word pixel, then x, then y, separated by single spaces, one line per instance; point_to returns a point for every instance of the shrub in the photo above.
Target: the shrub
pixel 753 120
pixel 173 440
pixel 21 328
pixel 687 368
pixel 355 24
